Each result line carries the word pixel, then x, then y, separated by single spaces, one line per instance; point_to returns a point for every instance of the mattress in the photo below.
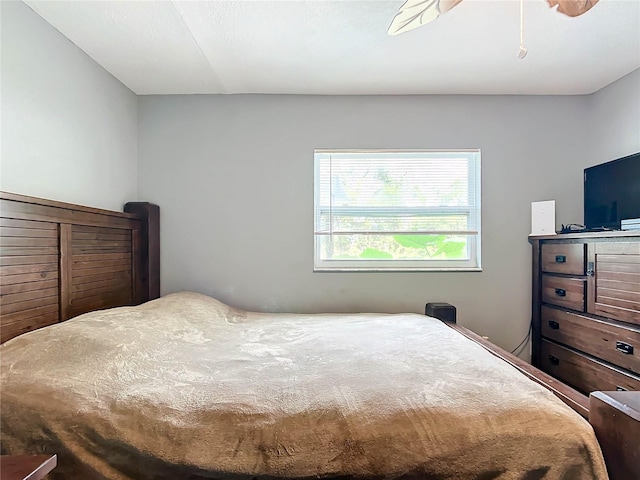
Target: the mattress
pixel 186 387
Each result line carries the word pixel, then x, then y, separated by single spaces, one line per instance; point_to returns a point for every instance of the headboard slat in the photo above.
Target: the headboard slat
pixel 59 260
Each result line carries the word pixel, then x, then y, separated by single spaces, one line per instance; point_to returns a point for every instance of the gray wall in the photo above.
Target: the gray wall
pixel 69 128
pixel 234 177
pixel 615 114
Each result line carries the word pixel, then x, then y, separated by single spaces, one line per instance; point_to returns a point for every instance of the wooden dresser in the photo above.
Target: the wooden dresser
pixel 586 309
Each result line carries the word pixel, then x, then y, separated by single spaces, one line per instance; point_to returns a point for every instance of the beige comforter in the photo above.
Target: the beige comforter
pixel 187 387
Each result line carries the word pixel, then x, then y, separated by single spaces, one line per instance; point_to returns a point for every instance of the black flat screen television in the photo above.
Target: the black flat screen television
pixel 612 193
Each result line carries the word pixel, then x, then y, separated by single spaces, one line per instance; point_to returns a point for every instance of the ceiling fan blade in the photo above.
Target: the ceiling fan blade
pixel 445 5
pixel 415 13
pixel 572 8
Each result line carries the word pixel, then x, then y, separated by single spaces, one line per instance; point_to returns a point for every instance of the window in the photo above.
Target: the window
pixel 397 210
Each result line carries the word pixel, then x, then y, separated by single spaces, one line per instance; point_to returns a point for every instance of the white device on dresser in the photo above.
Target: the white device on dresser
pixel 543 217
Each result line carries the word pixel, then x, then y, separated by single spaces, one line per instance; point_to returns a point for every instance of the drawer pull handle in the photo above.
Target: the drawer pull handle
pixel 561 292
pixel 624 348
pixel 620 389
pixel 554 360
pixel 561 258
pixel 554 325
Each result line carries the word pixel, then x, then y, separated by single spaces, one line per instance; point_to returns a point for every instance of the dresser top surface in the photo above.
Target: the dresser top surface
pixel 588 235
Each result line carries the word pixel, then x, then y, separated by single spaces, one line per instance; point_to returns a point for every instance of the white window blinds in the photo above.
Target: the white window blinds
pixel 388 209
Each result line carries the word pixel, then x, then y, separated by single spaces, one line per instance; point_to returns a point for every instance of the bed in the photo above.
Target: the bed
pixel 121 384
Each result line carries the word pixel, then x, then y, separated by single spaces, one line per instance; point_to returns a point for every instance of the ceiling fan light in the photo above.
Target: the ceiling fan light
pixel 415 13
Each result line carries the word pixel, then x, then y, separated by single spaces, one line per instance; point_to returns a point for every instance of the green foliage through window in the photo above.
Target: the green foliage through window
pixel 434 245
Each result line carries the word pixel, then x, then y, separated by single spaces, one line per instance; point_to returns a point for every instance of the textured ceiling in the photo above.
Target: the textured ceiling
pixel 342 47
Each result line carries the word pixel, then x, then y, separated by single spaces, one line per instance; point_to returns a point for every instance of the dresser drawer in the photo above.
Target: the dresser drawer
pixel 582 372
pixel 613 343
pixel 563 258
pixel 564 292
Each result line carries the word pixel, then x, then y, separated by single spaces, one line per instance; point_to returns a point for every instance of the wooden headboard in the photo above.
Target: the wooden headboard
pixel 59 260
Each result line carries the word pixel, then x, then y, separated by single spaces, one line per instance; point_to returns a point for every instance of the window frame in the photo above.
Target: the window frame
pixel 470 264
